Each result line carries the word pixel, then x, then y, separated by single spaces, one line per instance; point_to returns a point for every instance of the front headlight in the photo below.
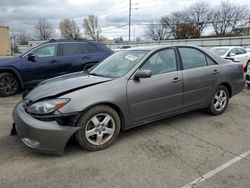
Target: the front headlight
pixel 47 107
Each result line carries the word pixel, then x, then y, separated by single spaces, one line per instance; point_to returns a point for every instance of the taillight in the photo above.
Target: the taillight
pixel 243 69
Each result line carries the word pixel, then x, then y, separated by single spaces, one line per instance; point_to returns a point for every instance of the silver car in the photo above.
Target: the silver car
pixel 130 88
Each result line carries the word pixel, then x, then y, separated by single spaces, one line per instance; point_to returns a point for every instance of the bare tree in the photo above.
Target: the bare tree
pixel 43 29
pixel 118 39
pixel 22 38
pixel 186 31
pixel 174 24
pixel 156 32
pixel 69 29
pixel 92 28
pixel 227 17
pixel 199 15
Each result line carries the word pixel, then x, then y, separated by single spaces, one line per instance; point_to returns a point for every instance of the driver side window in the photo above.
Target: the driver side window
pixel 46 51
pixel 232 51
pixel 161 62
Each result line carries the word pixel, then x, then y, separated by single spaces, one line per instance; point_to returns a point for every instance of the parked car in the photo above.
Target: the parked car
pixel 130 88
pixel 247 48
pixel 237 54
pixel 121 48
pixel 247 70
pixel 50 59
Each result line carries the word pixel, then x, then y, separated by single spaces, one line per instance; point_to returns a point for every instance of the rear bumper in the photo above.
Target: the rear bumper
pixel 238 86
pixel 42 136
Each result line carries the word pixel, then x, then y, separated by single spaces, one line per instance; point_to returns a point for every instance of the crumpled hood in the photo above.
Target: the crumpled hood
pixel 64 84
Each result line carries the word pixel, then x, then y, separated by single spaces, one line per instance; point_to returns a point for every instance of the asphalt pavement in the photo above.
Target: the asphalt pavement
pixel 192 149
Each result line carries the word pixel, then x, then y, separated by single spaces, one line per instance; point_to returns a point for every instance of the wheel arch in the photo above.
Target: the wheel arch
pixel 111 105
pixel 14 72
pixel 228 86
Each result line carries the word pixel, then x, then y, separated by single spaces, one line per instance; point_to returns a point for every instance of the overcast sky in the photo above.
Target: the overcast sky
pixel 23 14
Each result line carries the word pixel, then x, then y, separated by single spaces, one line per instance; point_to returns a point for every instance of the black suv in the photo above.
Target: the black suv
pixel 50 59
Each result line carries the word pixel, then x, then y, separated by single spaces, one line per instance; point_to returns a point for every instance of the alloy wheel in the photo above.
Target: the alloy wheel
pixel 100 129
pixel 8 85
pixel 220 100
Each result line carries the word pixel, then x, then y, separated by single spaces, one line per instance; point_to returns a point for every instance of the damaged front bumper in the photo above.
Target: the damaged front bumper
pixel 42 136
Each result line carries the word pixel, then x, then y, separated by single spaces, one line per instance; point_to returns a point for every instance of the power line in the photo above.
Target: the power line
pixel 115 27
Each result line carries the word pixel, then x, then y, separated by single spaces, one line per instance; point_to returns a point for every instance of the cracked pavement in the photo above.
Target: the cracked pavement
pixel 167 153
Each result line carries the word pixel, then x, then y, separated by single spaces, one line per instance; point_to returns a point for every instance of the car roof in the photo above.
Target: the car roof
pixel 157 47
pixel 227 47
pixel 69 40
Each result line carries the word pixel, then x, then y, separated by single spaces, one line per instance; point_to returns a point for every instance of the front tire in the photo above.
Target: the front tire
pixel 100 127
pixel 9 85
pixel 219 101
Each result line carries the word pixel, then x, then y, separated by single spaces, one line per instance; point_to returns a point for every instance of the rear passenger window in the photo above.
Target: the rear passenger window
pixel 71 49
pixel 192 58
pixel 241 51
pixel 91 48
pixel 84 48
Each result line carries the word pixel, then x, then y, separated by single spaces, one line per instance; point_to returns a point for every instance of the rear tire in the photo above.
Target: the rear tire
pixel 219 101
pixel 9 85
pixel 100 127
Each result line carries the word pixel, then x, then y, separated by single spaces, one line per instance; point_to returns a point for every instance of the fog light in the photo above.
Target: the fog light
pixel 30 142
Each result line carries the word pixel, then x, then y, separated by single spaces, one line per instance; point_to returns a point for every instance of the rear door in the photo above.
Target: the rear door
pixel 200 75
pixel 161 93
pixel 44 65
pixel 73 57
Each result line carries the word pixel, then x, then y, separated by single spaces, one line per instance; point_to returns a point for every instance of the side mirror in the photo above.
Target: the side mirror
pixel 232 54
pixel 232 59
pixel 31 57
pixel 142 74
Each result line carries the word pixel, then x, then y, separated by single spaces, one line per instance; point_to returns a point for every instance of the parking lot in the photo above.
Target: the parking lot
pixel 169 153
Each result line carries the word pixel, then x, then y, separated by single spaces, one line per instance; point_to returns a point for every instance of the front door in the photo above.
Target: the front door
pixel 158 95
pixel 44 65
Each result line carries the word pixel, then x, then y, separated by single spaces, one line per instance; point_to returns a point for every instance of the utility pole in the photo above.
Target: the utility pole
pixel 129 21
pixel 249 26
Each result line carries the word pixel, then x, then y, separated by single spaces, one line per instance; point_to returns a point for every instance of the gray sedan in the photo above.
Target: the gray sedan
pixel 130 88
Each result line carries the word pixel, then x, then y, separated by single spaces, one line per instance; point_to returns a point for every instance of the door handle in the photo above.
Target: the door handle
pixel 86 57
pixel 176 79
pixel 54 61
pixel 215 71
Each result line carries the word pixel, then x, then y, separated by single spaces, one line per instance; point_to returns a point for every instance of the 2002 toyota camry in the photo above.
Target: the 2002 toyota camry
pixel 130 88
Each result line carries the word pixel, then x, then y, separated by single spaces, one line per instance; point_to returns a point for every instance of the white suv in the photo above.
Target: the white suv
pixel 233 52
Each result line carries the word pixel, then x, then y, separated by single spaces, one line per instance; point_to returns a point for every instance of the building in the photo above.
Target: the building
pixel 4 41
pixel 31 44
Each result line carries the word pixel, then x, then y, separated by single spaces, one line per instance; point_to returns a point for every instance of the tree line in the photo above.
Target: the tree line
pixel 226 19
pixel 43 30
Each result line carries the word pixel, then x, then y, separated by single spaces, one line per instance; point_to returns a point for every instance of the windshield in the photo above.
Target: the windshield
pixel 118 64
pixel 220 51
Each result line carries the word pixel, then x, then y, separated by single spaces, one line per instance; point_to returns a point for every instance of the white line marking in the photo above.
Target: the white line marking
pixel 217 170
